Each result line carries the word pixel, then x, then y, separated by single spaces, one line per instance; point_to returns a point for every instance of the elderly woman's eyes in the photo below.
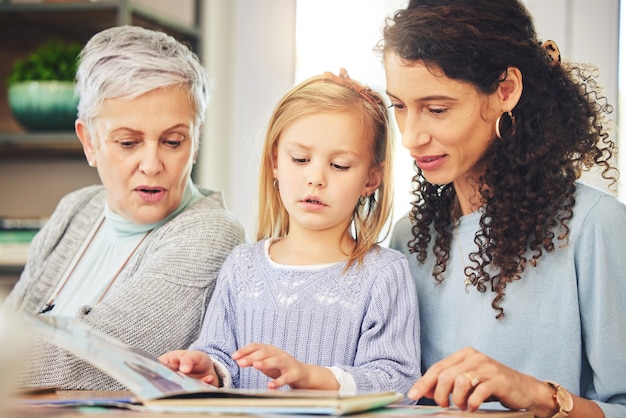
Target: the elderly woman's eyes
pixel 174 140
pixel 127 143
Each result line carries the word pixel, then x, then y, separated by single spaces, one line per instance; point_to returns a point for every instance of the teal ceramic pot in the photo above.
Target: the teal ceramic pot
pixel 44 105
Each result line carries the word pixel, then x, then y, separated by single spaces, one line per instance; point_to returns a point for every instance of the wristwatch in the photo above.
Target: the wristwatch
pixel 562 399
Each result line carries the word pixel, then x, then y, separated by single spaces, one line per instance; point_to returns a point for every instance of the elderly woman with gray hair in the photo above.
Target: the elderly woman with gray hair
pixel 136 257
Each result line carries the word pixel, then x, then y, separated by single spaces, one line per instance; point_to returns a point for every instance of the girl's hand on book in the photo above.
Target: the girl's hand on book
pixel 284 369
pixel 193 363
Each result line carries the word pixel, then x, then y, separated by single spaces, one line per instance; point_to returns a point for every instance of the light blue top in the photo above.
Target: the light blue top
pixel 565 320
pixel 363 321
pixel 95 266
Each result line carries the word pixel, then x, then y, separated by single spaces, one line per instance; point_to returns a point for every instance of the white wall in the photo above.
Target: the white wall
pixel 586 32
pixel 249 48
pixel 621 97
pixel 352 49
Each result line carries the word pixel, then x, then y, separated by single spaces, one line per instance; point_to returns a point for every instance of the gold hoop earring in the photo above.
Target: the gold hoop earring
pixel 498 134
pixel 499 122
pixel 275 184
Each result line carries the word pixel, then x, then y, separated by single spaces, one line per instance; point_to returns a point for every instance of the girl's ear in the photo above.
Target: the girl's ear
pixel 85 138
pixel 373 181
pixel 510 89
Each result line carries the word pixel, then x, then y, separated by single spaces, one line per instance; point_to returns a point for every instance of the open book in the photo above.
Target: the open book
pixel 155 387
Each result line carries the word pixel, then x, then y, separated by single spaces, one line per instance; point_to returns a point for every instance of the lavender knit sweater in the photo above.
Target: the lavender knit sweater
pixel 363 321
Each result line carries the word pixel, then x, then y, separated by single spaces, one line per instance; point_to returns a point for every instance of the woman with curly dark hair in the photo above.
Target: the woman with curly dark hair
pixel 520 267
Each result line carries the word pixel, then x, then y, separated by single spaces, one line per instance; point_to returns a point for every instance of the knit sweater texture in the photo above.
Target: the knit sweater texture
pixel 363 320
pixel 565 319
pixel 156 304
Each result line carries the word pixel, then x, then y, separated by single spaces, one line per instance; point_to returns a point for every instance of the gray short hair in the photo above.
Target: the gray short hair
pixel 124 62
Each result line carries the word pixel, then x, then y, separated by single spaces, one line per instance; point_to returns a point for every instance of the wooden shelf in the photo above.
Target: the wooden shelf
pixel 79 20
pixel 40 145
pixel 25 25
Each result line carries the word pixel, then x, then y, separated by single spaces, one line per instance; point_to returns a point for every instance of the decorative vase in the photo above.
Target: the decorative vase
pixel 44 105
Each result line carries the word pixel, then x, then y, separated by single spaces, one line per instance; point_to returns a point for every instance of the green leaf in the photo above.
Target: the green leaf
pixel 53 60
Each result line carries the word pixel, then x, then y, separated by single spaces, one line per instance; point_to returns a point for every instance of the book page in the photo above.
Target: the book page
pixel 140 372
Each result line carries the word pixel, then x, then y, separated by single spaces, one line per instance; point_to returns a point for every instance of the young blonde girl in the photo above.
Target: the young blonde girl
pixel 315 303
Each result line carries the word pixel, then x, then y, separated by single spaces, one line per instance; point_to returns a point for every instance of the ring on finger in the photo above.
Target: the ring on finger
pixel 473 380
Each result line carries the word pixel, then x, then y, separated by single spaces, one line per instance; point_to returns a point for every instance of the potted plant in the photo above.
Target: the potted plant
pixel 41 87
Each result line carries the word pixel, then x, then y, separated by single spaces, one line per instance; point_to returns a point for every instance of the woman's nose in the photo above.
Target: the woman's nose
pixel 151 163
pixel 413 134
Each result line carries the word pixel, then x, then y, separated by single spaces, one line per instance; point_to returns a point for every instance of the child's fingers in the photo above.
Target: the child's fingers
pixel 170 360
pixel 207 379
pixel 248 361
pixel 247 350
pixel 187 364
pixel 274 369
pixel 272 362
pixel 282 380
pixel 247 357
pixel 165 359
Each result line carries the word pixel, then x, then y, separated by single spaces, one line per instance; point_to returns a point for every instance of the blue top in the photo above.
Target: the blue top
pixel 565 319
pixel 363 321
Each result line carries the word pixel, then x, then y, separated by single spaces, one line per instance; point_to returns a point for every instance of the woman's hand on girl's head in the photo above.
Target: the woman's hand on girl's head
pixel 193 363
pixel 468 378
pixel 284 369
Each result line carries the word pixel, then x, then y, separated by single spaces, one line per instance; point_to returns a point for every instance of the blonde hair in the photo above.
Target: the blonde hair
pixel 323 95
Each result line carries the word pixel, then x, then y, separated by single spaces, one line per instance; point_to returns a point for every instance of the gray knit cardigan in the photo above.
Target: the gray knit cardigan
pixel 158 302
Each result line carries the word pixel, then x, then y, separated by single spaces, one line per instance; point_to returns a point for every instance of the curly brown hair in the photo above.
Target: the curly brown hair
pixel 528 186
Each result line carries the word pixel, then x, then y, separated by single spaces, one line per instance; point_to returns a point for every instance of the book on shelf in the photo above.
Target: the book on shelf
pixel 16 223
pixel 14 245
pixel 16 233
pixel 155 387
